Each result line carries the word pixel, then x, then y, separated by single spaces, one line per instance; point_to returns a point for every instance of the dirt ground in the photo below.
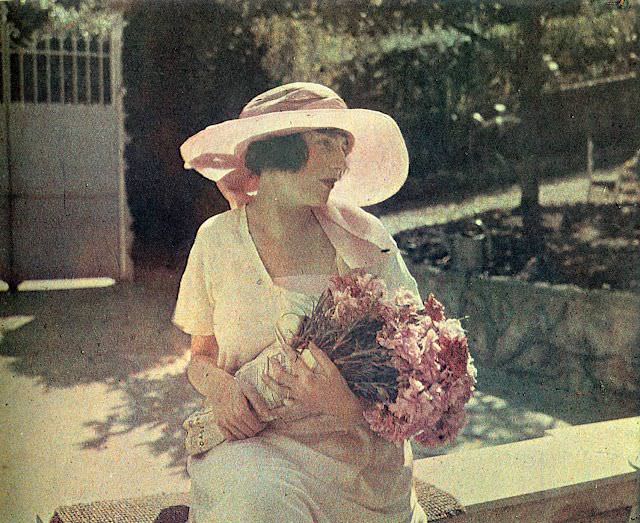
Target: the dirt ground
pixel 590 235
pixel 569 190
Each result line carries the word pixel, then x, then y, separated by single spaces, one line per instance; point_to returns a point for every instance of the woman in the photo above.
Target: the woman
pixel 296 167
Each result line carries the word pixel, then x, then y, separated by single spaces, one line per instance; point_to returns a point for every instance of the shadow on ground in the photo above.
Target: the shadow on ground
pixel 153 402
pixel 92 335
pixel 510 407
pixel 122 337
pixel 535 393
pixel 165 401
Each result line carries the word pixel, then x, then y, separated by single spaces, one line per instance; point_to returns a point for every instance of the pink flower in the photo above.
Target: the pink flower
pixel 372 286
pixel 406 299
pixel 434 308
pixel 387 312
pixel 346 309
pixel 472 372
pixel 384 425
pixel 451 329
pixel 403 354
pixel 359 284
pixel 406 344
pixel 445 430
pixel 454 354
pixel 355 296
pixel 431 341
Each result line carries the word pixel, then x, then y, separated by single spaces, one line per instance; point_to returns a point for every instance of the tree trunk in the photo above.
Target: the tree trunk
pixel 531 77
pixel 530 207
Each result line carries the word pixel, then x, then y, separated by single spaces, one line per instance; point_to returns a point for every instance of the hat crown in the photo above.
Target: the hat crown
pixel 293 97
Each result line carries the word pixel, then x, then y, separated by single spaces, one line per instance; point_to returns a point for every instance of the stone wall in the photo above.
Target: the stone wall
pixel 581 340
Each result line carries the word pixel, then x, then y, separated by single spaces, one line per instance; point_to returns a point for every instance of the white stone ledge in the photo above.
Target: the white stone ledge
pixel 577 473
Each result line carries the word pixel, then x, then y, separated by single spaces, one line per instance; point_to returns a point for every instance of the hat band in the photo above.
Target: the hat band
pixel 308 102
pixel 216 161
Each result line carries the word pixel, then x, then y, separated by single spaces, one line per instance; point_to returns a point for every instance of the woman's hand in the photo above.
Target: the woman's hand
pixel 236 410
pixel 322 390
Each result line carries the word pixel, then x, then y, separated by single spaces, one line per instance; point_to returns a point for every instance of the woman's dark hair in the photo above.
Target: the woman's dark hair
pixel 286 153
pixel 282 153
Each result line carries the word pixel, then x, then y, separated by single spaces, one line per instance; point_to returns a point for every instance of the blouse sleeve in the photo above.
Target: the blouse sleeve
pixel 407 279
pixel 193 312
pixel 401 276
pixel 396 272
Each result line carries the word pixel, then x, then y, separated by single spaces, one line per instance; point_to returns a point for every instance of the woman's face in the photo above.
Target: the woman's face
pixel 325 165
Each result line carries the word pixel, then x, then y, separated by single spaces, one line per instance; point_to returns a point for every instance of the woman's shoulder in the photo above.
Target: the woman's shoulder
pixel 363 224
pixel 221 227
pixel 219 244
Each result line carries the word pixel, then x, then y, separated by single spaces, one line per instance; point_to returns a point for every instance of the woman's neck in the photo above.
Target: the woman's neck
pixel 276 216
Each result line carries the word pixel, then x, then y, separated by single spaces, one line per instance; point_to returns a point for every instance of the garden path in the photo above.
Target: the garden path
pixel 556 192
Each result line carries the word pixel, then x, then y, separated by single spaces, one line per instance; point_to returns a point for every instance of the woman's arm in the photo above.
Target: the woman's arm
pixel 351 410
pixel 319 391
pixel 202 371
pixel 233 410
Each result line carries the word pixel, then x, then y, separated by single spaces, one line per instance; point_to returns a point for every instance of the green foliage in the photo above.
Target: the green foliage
pixel 433 65
pixel 430 76
pixel 438 67
pixel 302 48
pixel 183 70
pixel 593 44
pixel 23 20
pixel 29 19
pixel 81 16
pixel 426 81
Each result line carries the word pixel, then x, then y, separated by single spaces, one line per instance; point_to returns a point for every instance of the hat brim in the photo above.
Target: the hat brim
pixel 378 162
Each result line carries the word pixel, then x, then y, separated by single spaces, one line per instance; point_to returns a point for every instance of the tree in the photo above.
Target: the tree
pixel 431 64
pixel 529 74
pixel 29 17
pixel 524 61
pixel 396 52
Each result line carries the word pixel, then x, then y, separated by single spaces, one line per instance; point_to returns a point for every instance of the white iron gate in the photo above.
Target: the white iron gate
pixel 63 211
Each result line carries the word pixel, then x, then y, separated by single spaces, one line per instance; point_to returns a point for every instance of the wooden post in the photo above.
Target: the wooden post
pixel 10 273
pixel 117 92
pixel 589 154
pixel 589 161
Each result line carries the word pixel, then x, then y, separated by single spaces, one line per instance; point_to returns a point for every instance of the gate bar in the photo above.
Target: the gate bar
pixel 34 67
pixel 117 92
pixel 61 40
pixel 10 276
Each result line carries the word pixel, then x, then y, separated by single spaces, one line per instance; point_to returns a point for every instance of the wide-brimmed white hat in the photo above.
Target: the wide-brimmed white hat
pixel 378 161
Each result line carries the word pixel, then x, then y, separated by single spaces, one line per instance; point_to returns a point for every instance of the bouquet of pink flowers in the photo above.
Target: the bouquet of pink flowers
pixel 406 358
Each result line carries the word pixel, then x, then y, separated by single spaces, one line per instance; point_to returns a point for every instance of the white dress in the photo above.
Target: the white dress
pixel 316 469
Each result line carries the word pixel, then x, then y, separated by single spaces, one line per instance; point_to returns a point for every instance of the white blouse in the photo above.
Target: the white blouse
pixel 226 290
pixel 340 471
